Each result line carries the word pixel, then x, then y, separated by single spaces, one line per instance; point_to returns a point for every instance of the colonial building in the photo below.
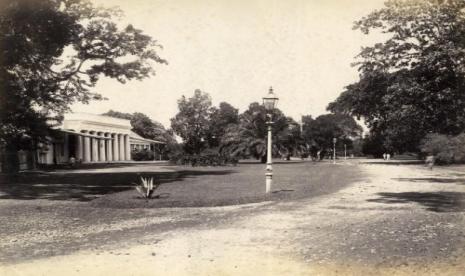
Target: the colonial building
pixel 90 138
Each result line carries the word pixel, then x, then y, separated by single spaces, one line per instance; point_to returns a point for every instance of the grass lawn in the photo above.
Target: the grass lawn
pixel 218 186
pixel 182 186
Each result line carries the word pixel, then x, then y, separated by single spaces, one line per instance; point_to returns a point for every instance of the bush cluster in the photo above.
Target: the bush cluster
pixel 446 149
pixel 142 155
pixel 206 158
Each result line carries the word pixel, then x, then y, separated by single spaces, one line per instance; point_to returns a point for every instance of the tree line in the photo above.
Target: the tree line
pixel 224 131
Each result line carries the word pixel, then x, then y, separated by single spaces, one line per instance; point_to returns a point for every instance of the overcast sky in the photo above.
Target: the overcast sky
pixel 236 50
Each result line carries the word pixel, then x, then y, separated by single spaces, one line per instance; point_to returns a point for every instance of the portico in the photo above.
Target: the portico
pixel 89 138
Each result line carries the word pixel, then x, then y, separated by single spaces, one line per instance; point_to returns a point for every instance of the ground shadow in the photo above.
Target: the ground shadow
pixel 84 186
pixel 396 163
pixel 434 201
pixel 434 180
pixel 281 162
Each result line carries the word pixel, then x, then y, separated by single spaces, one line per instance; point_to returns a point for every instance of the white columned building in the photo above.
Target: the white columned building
pixel 90 138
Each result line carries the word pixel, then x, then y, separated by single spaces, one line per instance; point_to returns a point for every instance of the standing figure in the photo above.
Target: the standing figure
pixel 429 161
pixel 388 156
pixel 384 156
pixel 72 161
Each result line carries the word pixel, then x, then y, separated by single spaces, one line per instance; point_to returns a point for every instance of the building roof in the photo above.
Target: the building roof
pixel 135 136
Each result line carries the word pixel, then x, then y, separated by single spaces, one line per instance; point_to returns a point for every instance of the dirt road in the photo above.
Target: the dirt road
pixel 401 219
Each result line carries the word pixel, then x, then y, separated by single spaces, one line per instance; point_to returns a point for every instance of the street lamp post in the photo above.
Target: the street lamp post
pixel 269 102
pixel 334 150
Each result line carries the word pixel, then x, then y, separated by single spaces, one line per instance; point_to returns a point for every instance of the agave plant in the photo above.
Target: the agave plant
pixel 146 187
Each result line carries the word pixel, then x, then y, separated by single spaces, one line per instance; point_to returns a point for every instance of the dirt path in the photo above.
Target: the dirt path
pixel 399 220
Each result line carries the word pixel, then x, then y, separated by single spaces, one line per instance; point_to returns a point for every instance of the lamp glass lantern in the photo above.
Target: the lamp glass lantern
pixel 270 101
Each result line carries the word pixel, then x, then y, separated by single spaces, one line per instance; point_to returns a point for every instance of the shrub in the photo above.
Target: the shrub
pixel 205 158
pixel 446 149
pixel 142 155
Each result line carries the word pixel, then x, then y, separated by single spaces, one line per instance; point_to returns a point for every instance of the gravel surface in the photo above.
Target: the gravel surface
pixel 397 220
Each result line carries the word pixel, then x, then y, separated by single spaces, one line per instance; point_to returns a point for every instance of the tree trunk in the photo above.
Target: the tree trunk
pixel 10 160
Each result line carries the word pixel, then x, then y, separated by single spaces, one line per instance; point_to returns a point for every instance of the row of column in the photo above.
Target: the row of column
pixel 111 147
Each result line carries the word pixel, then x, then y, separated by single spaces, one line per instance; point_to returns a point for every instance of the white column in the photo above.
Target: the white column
pixel 102 151
pixel 65 152
pixel 127 147
pixel 109 147
pixel 79 150
pixel 94 148
pixel 86 148
pixel 115 147
pixel 121 147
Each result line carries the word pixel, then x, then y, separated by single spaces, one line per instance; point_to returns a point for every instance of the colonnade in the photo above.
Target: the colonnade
pixel 95 146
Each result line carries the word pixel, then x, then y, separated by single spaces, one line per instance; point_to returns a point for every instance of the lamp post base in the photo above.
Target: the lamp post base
pixel 269 182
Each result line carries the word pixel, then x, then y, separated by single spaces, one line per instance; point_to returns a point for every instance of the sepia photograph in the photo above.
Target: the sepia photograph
pixel 245 137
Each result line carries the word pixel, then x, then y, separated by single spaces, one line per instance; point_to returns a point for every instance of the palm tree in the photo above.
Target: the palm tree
pixel 248 138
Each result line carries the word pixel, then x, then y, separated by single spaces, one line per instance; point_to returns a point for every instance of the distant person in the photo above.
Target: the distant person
pixel 384 156
pixel 72 161
pixel 429 161
pixel 388 156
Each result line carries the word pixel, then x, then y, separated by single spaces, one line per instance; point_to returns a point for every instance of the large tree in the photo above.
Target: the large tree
pixel 413 82
pixel 192 122
pixel 52 53
pixel 319 132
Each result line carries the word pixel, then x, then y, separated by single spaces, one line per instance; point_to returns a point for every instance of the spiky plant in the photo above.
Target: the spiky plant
pixel 146 187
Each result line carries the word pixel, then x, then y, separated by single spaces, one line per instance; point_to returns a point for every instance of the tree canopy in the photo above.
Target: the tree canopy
pixel 52 54
pixel 412 83
pixel 141 124
pixel 192 122
pixel 220 118
pixel 319 132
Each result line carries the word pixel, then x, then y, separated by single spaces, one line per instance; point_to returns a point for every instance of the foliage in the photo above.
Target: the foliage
pixel 53 53
pixel 141 124
pixel 142 155
pixel 413 82
pixel 150 129
pixel 357 147
pixel 319 133
pixel 145 127
pixel 248 138
pixel 205 158
pixel 117 114
pixel 373 145
pixel 220 119
pixel 146 188
pixel 447 149
pixel 193 120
